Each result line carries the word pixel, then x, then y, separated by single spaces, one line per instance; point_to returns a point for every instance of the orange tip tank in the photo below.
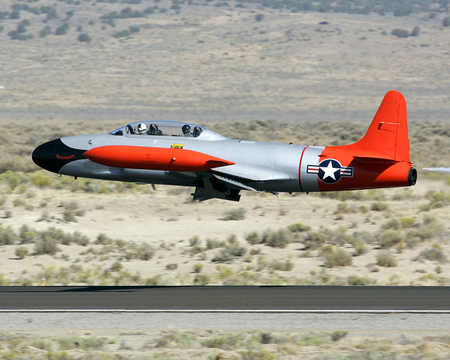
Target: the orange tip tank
pixel 151 158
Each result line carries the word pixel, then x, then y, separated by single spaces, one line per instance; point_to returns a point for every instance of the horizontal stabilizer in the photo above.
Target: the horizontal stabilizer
pixel 373 159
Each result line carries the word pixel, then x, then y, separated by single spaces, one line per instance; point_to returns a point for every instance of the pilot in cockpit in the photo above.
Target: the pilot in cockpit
pixel 141 130
pixel 186 130
pixel 153 130
pixel 197 131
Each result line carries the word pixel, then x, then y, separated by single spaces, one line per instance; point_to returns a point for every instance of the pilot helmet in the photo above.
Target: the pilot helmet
pixel 186 129
pixel 197 131
pixel 142 127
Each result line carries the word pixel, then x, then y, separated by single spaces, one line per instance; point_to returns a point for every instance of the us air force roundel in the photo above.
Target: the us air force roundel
pixel 330 171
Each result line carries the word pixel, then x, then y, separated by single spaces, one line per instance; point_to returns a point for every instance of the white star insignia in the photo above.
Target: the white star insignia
pixel 329 171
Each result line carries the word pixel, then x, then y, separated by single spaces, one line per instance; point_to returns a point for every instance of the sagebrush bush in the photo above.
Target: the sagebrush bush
pixel 360 248
pixel 393 224
pixel 46 245
pixel 41 179
pixel 232 250
pixel 343 208
pixel 407 222
pixel 389 238
pixel 84 37
pixel 7 236
pixel 266 338
pixel 314 240
pixel 235 214
pixel 69 216
pixel 60 237
pixel 338 335
pixel 281 265
pixel 278 239
pixel 385 259
pixel 213 244
pixel 337 257
pixel 86 344
pixel 21 252
pixel 145 252
pixel 401 33
pixel 299 227
pixel 197 268
pixel 425 231
pixel 196 249
pixel 225 342
pixel 378 206
pixel 18 202
pixel 80 239
pixel 194 240
pixel 439 200
pixel 13 179
pixel 153 281
pixel 253 238
pixel 415 31
pixel 26 235
pixel 172 266
pixel 201 279
pixel 446 21
pixel 115 267
pixel 362 236
pixel 433 254
pixel 357 280
pixel 103 239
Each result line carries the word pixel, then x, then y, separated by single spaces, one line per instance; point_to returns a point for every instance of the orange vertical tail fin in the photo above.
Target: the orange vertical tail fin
pixel 387 136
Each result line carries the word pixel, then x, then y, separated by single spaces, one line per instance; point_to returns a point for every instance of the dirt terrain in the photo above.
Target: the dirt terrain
pixel 233 345
pixel 203 63
pixel 208 242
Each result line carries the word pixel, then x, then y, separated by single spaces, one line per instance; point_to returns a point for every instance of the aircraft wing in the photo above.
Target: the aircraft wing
pixel 234 183
pixel 226 185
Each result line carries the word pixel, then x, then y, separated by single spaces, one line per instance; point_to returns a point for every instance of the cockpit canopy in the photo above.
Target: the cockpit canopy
pixel 167 128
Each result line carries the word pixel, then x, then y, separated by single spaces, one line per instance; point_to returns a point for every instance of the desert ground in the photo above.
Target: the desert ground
pixel 98 231
pixel 232 345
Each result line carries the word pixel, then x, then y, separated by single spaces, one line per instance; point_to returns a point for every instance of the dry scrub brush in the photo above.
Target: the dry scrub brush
pixel 220 344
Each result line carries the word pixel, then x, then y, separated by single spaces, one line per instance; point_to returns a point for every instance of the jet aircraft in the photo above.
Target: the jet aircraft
pixel 184 154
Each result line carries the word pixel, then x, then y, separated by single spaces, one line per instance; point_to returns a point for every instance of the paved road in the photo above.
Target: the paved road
pixel 225 298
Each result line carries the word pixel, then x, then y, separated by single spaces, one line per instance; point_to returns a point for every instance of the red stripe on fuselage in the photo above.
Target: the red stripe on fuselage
pixel 300 169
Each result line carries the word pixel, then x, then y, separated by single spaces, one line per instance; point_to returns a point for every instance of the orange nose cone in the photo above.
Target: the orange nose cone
pixel 141 157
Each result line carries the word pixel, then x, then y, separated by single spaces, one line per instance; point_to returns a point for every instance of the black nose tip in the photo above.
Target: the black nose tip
pixel 44 155
pixel 53 155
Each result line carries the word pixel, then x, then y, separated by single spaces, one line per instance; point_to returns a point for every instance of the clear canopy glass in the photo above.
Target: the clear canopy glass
pixel 160 128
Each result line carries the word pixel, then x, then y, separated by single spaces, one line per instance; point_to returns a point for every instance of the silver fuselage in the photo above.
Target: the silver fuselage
pixel 272 167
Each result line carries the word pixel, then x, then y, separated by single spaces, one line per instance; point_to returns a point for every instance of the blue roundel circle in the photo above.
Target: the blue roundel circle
pixel 330 171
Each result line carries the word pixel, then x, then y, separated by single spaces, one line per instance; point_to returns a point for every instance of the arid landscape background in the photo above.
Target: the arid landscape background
pixel 209 61
pixel 307 77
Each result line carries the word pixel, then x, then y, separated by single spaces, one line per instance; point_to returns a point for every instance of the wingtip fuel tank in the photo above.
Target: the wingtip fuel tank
pixel 154 158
